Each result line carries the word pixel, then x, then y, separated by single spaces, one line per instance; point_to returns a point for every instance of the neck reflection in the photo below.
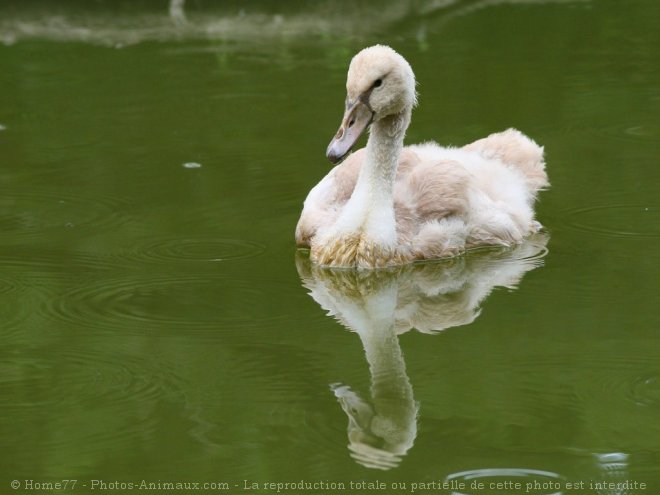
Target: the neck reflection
pixel 379 306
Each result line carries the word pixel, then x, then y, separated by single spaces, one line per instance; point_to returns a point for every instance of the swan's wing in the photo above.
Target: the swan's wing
pixel 512 147
pixel 481 194
pixel 430 201
pixel 430 187
pixel 325 201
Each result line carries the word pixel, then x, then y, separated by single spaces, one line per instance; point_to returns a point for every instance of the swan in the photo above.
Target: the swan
pixel 387 205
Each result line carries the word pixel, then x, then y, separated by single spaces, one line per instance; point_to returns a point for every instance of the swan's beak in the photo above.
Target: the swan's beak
pixel 357 118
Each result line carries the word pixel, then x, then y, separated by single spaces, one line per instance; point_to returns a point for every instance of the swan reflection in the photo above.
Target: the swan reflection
pixel 379 306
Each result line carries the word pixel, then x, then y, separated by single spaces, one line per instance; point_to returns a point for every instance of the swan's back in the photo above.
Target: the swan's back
pixel 446 200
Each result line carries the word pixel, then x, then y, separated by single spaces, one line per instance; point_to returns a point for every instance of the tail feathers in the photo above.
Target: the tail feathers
pixel 512 147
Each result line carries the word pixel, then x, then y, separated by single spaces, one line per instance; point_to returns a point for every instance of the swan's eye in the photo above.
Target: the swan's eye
pixel 378 82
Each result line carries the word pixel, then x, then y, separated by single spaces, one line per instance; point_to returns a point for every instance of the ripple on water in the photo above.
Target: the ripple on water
pixel 15 307
pixel 20 298
pixel 191 304
pixel 323 434
pixel 31 277
pixel 78 376
pixel 119 387
pixel 81 140
pixel 616 220
pixel 532 481
pixel 645 390
pixel 31 214
pixel 650 132
pixel 8 286
pixel 632 131
pixel 195 250
pixel 19 373
pixel 43 263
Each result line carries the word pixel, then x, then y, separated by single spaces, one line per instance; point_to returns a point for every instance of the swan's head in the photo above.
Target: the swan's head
pixel 380 83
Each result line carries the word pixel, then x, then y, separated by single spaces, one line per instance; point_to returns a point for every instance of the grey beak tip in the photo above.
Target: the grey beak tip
pixel 333 158
pixel 332 154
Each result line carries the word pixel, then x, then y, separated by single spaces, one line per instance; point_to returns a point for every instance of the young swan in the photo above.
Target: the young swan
pixel 388 205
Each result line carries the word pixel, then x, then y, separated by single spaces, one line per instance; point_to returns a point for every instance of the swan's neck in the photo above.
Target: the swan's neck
pixel 370 211
pixel 365 235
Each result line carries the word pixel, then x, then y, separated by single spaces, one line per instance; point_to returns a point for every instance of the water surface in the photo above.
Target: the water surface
pixel 157 324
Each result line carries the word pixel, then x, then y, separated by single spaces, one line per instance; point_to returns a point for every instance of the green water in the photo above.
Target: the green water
pixel 157 324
